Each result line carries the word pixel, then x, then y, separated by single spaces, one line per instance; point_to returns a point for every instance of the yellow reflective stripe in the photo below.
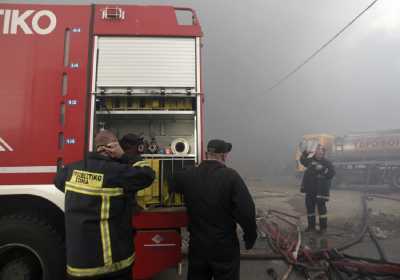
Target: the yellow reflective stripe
pixel 105 230
pixel 98 190
pixel 141 163
pixel 311 215
pixel 72 189
pixel 82 272
pixel 107 227
pixel 323 216
pixel 322 197
pixel 93 191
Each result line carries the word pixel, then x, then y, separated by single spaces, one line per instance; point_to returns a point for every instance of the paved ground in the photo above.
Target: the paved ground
pixel 345 212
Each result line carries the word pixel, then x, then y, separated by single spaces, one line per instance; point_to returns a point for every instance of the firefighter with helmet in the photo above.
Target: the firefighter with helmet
pixel 98 214
pixel 316 186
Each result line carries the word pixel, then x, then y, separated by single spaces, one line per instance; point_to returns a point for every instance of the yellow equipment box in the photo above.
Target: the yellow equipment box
pixel 151 195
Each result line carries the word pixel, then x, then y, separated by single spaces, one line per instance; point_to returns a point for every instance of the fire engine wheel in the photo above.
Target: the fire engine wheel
pixel 21 268
pixel 30 250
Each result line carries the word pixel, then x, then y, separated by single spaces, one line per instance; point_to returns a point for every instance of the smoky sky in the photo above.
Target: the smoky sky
pixel 352 86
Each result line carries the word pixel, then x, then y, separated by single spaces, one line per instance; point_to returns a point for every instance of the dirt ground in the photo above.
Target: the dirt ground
pixel 344 221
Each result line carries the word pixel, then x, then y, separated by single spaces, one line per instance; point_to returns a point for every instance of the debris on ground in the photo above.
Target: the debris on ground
pixel 284 236
pixel 380 233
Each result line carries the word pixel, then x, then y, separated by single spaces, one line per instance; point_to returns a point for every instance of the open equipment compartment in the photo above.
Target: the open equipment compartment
pixel 149 86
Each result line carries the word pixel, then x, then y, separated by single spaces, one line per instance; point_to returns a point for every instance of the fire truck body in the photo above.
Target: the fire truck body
pixel 68 71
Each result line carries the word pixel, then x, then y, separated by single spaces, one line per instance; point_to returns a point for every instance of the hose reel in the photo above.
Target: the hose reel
pixel 180 146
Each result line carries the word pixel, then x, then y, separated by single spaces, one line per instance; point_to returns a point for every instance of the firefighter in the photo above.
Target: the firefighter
pixel 216 198
pixel 130 144
pixel 316 185
pixel 98 218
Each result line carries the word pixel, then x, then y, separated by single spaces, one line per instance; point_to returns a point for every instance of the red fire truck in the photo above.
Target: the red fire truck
pixel 69 71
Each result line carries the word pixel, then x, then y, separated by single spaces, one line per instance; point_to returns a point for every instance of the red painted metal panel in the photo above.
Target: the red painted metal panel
pixel 160 219
pixel 26 179
pixel 156 251
pixel 31 73
pixel 145 21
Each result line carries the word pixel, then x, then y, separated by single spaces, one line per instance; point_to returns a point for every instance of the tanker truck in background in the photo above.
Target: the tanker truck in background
pixel 365 158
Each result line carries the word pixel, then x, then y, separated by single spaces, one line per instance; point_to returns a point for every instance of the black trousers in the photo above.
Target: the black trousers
pixel 206 269
pixel 312 202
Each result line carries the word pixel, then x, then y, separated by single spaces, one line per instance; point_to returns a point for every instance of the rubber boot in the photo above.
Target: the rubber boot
pixel 323 224
pixel 311 223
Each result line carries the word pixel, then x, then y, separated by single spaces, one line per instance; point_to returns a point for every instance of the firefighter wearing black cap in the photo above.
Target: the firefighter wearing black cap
pixel 216 198
pixel 316 185
pixel 130 144
pixel 98 216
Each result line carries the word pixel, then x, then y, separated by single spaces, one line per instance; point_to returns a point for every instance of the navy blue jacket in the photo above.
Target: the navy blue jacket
pixel 98 214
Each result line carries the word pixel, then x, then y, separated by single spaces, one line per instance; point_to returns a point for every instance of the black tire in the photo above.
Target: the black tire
pixel 32 246
pixel 21 268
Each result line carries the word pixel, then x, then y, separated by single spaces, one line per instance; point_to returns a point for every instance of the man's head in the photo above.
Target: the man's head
pixel 130 142
pixel 320 152
pixel 105 143
pixel 218 150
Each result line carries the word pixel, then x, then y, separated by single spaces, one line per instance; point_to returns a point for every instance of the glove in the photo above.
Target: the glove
pixel 302 190
pixel 141 163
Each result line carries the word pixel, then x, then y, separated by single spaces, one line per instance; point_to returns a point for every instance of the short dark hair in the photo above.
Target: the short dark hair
pixel 129 140
pixel 104 137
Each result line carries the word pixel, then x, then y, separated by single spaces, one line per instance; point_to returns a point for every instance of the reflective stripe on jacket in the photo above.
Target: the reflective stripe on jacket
pixel 98 214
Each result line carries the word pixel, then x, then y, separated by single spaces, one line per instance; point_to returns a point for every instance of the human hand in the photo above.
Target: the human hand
pixel 114 150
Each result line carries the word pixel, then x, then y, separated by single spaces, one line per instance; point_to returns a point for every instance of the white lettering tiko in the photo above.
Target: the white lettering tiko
pixel 15 21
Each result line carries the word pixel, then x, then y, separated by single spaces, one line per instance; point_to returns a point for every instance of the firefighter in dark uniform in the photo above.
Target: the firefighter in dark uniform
pixel 98 215
pixel 130 144
pixel 316 185
pixel 216 198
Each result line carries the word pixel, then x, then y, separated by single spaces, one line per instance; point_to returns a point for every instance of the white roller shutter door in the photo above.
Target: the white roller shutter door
pixel 146 62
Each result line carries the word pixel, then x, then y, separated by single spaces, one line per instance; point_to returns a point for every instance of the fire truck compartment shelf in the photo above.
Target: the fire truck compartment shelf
pixel 147 112
pixel 151 93
pixel 168 157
